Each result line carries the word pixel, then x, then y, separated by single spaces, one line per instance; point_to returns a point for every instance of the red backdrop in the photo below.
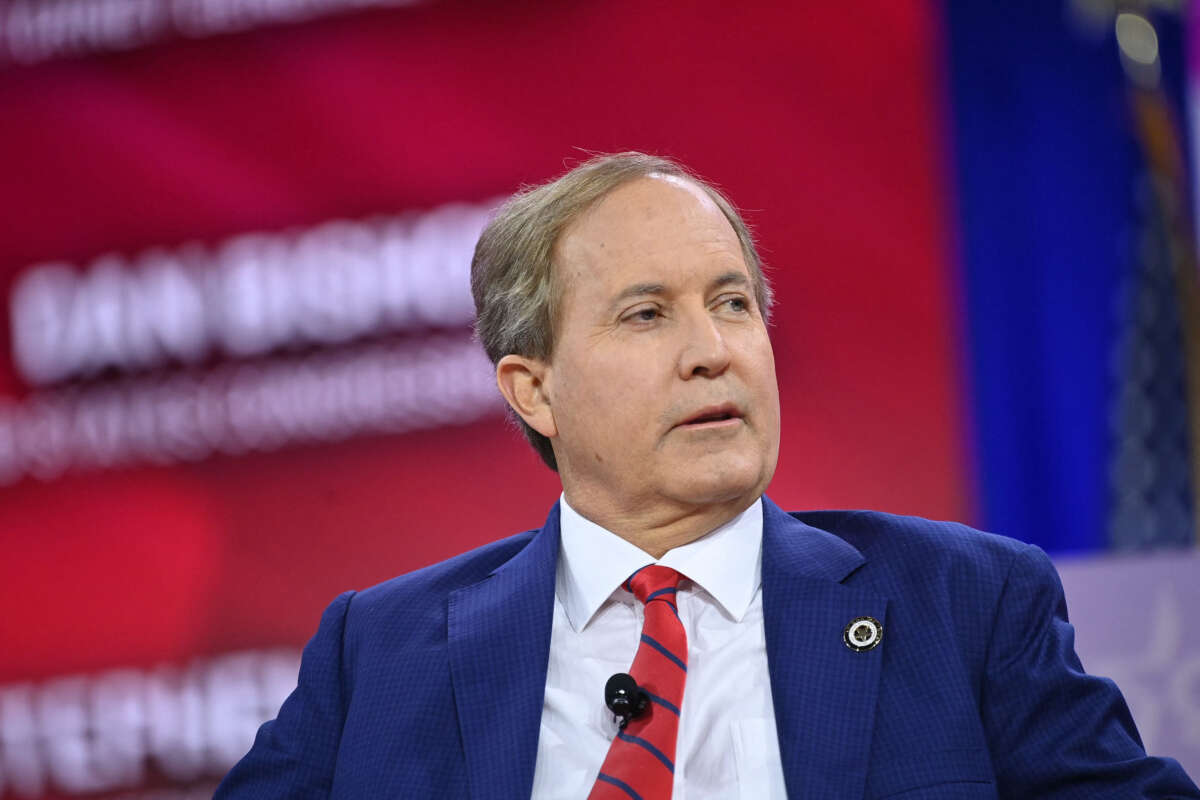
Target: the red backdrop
pixel 822 123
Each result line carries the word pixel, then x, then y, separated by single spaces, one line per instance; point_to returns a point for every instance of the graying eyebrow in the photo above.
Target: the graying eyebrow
pixel 731 279
pixel 637 290
pixel 642 288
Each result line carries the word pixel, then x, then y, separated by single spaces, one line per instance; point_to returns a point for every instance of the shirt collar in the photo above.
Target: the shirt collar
pixel 593 562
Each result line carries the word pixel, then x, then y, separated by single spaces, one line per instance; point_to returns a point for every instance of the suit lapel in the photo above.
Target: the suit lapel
pixel 824 692
pixel 499 644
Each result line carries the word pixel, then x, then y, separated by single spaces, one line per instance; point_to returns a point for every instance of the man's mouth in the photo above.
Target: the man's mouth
pixel 713 417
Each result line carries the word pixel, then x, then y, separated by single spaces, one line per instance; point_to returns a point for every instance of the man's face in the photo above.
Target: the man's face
pixel 662 384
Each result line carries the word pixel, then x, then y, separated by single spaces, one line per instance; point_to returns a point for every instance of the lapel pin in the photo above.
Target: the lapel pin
pixel 863 634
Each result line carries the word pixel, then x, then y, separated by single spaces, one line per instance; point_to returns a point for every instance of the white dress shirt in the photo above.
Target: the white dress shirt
pixel 727 746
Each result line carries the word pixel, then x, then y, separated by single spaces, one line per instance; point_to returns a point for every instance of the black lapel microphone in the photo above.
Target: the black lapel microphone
pixel 624 697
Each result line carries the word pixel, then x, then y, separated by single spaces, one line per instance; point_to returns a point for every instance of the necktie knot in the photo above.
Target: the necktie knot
pixel 652 582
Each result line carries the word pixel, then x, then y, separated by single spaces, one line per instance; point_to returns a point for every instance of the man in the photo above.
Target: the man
pixel 817 655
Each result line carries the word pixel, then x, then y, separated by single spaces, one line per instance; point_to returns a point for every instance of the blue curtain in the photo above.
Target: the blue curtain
pixel 1050 184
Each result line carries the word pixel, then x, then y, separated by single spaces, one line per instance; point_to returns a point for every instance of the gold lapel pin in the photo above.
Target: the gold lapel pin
pixel 863 634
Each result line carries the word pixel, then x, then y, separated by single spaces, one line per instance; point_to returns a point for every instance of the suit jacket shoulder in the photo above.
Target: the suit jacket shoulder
pixel 375 712
pixel 915 542
pixel 978 642
pixel 395 600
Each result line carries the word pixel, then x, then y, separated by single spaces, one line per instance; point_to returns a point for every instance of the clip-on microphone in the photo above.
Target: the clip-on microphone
pixel 623 696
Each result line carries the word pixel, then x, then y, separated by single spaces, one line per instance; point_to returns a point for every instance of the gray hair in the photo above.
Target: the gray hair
pixel 512 274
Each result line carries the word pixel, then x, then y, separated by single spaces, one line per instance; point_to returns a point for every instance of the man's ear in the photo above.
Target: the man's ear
pixel 522 382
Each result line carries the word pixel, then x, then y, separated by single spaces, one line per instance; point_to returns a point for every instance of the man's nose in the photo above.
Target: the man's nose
pixel 705 352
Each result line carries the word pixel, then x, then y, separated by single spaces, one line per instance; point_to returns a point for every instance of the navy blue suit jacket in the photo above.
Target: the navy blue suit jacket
pixel 430 685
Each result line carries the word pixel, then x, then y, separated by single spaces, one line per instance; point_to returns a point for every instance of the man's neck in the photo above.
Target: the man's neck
pixel 658 527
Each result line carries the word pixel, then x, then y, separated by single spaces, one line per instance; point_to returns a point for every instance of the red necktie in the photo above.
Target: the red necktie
pixel 640 764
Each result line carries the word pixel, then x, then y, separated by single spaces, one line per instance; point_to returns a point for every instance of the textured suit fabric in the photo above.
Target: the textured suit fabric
pixel 430 685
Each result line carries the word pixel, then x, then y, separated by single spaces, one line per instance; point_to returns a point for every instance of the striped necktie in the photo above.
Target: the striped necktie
pixel 640 764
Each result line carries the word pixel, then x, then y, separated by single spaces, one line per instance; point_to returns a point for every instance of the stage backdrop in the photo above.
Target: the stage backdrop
pixel 238 373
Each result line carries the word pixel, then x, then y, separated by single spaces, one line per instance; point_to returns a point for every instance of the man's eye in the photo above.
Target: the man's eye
pixel 738 304
pixel 644 315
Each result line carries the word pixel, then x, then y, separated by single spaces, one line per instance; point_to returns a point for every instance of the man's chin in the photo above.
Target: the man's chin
pixel 706 483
